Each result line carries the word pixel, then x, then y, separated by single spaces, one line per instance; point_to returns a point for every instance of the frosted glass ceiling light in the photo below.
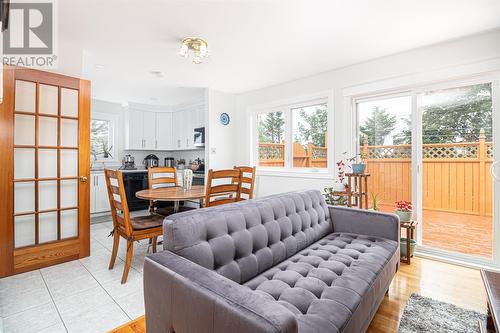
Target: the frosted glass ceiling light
pixel 195 47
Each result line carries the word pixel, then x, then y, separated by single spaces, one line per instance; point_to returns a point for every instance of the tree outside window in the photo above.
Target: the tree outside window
pixel 101 146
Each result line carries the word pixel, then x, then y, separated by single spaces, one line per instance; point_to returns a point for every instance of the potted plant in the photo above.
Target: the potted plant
pixel 375 201
pixel 403 210
pixel 359 168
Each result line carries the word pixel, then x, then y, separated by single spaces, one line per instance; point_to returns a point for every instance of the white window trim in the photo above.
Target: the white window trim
pixel 112 123
pixel 285 106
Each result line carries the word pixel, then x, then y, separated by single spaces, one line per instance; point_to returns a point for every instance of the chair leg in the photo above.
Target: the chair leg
pixel 155 242
pixel 128 260
pixel 116 242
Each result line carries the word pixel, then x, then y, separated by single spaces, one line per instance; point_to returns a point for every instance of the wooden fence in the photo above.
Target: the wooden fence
pixel 455 177
pixel 273 154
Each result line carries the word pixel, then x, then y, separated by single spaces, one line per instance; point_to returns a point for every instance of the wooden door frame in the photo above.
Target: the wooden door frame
pixel 13 261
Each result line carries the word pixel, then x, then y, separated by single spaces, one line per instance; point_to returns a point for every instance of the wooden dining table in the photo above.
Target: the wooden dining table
pixel 175 194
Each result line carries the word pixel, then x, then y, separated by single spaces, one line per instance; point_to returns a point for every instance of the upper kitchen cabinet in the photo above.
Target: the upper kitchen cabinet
pixel 149 130
pixel 178 130
pixel 146 130
pixel 134 130
pixel 164 137
pixel 140 130
pixel 184 123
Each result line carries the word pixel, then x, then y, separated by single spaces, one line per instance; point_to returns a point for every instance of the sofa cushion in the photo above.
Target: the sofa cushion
pixel 241 240
pixel 324 283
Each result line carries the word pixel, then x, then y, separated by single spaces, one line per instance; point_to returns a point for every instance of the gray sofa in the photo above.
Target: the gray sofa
pixel 285 263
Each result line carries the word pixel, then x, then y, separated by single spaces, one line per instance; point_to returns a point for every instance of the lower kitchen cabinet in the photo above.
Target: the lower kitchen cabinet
pixel 99 201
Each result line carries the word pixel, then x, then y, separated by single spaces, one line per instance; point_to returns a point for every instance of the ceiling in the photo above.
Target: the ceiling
pixel 253 44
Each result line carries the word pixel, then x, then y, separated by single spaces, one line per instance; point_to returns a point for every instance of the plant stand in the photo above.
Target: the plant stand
pixel 410 228
pixel 358 185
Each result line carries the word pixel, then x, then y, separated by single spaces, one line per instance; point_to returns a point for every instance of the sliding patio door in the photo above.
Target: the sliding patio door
pixel 456 148
pixel 435 146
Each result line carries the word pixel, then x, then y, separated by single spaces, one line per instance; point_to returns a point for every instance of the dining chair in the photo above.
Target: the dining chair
pixel 159 178
pixel 247 181
pixel 131 228
pixel 223 186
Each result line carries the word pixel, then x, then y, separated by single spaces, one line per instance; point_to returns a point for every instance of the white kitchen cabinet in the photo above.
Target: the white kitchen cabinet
pixel 164 137
pixel 135 129
pixel 146 130
pixel 177 130
pixel 99 200
pixel 149 130
pixel 188 134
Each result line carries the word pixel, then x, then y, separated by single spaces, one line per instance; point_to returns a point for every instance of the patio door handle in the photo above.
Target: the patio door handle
pixel 492 171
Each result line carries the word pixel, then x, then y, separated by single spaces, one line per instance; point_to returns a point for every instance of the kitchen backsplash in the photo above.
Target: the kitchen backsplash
pixel 139 156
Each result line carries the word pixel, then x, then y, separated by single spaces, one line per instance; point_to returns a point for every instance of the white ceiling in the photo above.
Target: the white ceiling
pixel 253 43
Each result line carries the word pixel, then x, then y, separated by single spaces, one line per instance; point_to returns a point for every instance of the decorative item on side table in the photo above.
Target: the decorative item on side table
pixel 355 192
pixel 405 245
pixel 359 168
pixel 187 179
pixel 403 210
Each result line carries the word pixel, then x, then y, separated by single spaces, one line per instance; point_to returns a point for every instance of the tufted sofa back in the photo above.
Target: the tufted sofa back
pixel 241 240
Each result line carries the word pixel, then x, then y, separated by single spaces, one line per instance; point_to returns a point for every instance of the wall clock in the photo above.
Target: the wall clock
pixel 224 119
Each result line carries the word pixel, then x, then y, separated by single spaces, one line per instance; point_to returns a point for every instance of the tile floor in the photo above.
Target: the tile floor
pixel 77 296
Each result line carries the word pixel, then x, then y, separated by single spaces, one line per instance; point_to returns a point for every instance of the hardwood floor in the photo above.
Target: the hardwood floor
pixel 444 282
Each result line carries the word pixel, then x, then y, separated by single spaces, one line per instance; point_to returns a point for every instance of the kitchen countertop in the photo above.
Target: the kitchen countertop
pixel 140 169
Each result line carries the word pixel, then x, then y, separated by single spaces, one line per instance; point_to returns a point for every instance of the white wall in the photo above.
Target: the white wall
pixel 456 58
pixel 222 140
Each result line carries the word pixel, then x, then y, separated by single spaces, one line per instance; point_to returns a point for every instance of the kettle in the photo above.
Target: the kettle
pixel 150 161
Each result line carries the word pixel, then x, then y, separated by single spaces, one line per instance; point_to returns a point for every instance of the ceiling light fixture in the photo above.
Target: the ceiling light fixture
pixel 195 46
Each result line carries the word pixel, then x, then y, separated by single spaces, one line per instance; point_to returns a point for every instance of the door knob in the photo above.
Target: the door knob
pixel 492 171
pixel 83 179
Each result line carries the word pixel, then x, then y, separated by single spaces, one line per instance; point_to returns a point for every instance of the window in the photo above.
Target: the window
pixel 101 138
pixel 271 127
pixel 293 136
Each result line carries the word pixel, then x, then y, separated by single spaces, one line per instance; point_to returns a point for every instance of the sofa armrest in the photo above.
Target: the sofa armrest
pixel 365 222
pixel 181 296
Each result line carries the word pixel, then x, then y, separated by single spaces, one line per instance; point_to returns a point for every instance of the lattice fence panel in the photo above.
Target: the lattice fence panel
pixel 270 152
pixel 319 153
pixel 458 151
pixel 489 150
pixel 389 152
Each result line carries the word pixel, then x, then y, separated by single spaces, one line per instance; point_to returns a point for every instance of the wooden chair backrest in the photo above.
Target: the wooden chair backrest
pixel 226 189
pixel 247 179
pixel 162 177
pixel 118 201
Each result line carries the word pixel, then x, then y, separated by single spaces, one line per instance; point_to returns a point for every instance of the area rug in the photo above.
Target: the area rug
pixel 425 315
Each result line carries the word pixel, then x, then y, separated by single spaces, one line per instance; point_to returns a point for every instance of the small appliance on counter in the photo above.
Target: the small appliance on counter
pixel 151 161
pixel 169 162
pixel 199 137
pixel 128 163
pixel 181 164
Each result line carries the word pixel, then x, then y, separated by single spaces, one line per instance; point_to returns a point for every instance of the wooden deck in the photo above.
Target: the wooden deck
pixel 464 233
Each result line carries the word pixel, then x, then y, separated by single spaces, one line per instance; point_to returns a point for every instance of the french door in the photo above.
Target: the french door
pixel 436 146
pixel 44 153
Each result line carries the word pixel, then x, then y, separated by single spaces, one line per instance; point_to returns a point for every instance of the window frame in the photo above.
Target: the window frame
pixel 112 123
pixel 286 107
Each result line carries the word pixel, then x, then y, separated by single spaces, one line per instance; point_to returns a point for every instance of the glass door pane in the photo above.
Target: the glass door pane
pixel 386 147
pixel 457 152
